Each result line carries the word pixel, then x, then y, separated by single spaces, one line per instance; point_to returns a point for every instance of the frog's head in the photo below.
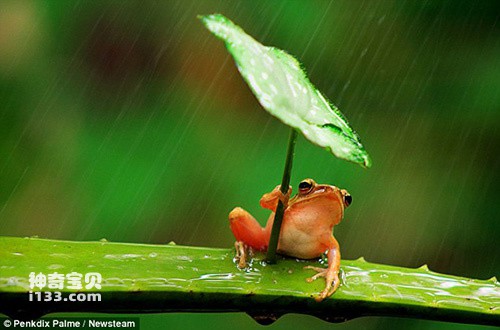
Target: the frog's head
pixel 308 188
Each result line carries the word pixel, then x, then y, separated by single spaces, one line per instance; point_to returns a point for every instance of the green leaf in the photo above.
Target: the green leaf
pixel 283 89
pixel 144 278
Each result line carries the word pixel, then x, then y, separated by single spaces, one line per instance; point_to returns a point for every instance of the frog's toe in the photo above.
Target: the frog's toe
pixel 321 273
pixel 331 278
pixel 327 292
pixel 241 254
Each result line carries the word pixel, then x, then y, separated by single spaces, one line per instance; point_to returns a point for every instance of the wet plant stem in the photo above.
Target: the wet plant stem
pixel 280 209
pixel 146 278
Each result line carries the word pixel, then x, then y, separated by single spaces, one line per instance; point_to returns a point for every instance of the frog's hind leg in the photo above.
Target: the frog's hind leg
pixel 247 230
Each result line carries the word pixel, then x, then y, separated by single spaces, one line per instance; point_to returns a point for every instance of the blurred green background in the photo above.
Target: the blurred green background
pixel 129 121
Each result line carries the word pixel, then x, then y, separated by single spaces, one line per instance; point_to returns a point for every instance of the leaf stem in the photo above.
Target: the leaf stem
pixel 280 209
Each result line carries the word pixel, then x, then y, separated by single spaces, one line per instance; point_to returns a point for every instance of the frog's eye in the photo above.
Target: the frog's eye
pixel 347 200
pixel 306 186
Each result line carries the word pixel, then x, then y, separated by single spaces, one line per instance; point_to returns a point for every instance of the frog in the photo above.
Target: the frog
pixel 306 231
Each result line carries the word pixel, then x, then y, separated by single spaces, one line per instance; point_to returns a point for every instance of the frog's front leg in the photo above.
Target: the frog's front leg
pixel 270 200
pixel 331 274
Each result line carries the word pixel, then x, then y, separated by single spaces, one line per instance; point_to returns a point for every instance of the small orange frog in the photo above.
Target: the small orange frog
pixel 306 230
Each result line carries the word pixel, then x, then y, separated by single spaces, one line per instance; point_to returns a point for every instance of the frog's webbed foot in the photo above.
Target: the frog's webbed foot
pixel 331 277
pixel 243 252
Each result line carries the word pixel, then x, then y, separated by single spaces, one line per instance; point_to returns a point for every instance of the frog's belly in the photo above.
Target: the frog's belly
pixel 300 244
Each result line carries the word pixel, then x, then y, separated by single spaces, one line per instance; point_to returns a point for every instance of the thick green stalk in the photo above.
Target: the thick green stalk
pixel 141 278
pixel 280 209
